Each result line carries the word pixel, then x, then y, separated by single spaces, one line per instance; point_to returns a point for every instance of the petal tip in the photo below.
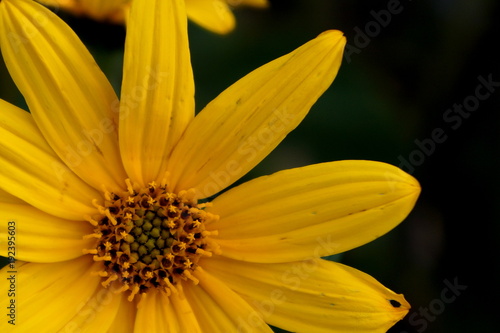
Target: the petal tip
pixel 334 35
pixel 412 186
pixel 399 306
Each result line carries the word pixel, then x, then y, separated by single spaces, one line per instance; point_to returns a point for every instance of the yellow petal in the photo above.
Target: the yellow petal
pixel 185 314
pixel 112 10
pixel 125 317
pixel 213 15
pixel 157 96
pixel 219 309
pixel 312 211
pixel 159 313
pixel 251 3
pixel 249 119
pixel 30 170
pixel 65 292
pixel 6 197
pixel 99 313
pixel 312 296
pixel 73 6
pixel 156 314
pixel 102 9
pixel 39 237
pixel 71 100
pixel 66 4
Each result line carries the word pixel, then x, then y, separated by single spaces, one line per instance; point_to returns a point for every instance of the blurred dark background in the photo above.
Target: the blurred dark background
pixel 419 88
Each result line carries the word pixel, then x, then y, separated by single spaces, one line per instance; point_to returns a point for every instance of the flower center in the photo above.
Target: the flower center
pixel 150 238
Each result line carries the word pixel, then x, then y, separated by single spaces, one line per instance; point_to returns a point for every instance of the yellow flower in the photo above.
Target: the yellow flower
pixel 99 196
pixel 214 15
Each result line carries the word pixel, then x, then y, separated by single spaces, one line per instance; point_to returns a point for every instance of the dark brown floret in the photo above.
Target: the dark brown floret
pixel 154 242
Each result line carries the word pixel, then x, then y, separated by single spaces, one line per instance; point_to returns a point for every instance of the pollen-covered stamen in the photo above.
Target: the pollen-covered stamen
pixel 150 238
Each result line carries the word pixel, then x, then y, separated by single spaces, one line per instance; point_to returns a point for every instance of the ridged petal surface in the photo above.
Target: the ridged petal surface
pixel 157 96
pixel 248 120
pixel 312 296
pixel 313 211
pixel 69 97
pixel 30 170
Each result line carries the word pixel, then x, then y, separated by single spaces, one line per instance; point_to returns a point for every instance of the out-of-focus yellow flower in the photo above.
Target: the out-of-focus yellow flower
pixel 214 15
pixel 102 194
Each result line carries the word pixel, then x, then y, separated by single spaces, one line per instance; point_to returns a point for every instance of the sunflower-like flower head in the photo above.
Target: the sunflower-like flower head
pixel 108 199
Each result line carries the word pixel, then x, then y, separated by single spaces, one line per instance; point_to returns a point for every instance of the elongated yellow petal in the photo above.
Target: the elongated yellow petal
pixel 39 237
pixel 208 312
pixel 6 197
pixel 29 169
pixel 97 314
pixel 252 3
pixel 219 309
pixel 157 99
pixel 110 10
pixel 160 313
pixel 66 4
pixel 185 313
pixel 71 100
pixel 73 6
pixel 59 3
pixel 249 119
pixel 65 292
pixel 102 9
pixel 214 15
pixel 156 314
pixel 312 211
pixel 125 317
pixel 312 296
